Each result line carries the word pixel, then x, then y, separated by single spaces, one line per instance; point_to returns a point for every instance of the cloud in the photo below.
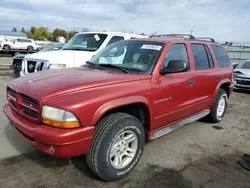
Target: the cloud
pixel 221 19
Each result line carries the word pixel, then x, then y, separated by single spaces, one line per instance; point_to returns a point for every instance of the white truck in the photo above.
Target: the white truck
pixel 79 49
pixel 19 44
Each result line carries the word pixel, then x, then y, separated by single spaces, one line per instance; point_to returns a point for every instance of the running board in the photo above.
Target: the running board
pixel 178 125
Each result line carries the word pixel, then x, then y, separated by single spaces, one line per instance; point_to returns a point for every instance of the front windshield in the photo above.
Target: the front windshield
pixel 244 65
pixel 134 56
pixel 85 42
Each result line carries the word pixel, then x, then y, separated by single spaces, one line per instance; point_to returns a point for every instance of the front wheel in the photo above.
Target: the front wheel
pixel 117 146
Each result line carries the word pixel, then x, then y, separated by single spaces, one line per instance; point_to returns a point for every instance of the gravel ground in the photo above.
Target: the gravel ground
pixel 195 156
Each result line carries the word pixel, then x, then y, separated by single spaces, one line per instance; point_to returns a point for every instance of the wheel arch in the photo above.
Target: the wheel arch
pixel 137 106
pixel 223 84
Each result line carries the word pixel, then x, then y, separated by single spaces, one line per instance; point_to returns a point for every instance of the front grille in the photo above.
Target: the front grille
pixel 242 81
pixel 31 65
pixel 24 105
pixel 29 101
pixel 12 92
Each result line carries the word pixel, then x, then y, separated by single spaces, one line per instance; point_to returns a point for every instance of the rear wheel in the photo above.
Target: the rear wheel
pixel 6 47
pixel 219 107
pixel 117 146
pixel 30 48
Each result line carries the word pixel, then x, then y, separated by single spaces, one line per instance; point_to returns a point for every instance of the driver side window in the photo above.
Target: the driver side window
pixel 176 52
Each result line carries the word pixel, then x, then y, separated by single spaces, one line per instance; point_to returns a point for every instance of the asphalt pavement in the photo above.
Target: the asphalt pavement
pixel 195 156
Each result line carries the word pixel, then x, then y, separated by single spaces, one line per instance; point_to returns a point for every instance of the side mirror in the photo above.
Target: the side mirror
pixel 235 65
pixel 174 66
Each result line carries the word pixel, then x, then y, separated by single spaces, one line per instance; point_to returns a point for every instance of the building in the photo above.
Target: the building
pixel 238 51
pixel 60 39
pixel 8 35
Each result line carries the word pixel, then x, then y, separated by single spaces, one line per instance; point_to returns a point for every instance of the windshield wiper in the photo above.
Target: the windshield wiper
pixel 73 49
pixel 92 65
pixel 113 66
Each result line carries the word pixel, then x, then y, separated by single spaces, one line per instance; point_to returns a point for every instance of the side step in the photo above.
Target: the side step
pixel 179 124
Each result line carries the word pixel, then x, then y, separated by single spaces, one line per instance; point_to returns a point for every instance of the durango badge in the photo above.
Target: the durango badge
pixel 29 82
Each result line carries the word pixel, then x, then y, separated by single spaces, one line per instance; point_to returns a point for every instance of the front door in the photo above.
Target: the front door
pixel 172 94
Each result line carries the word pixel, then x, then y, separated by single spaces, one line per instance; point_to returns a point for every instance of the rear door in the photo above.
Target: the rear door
pixel 204 76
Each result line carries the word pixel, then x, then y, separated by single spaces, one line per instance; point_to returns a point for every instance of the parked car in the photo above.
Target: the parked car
pixel 19 44
pixel 242 76
pixel 130 92
pixel 17 59
pixel 76 51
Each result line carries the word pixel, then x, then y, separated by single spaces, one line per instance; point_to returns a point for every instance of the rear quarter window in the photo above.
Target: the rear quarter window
pixel 221 56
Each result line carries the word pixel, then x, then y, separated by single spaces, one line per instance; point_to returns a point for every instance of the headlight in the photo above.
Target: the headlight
pixel 56 66
pixel 59 118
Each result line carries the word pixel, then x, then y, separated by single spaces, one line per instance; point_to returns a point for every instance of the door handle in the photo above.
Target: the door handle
pixel 191 82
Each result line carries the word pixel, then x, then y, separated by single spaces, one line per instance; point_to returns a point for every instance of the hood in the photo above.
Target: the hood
pixel 242 72
pixel 69 57
pixel 55 82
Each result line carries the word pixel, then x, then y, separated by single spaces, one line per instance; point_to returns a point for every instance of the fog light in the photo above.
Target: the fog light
pixel 52 149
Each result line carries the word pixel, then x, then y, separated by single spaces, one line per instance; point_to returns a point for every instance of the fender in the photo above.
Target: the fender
pixel 219 85
pixel 118 103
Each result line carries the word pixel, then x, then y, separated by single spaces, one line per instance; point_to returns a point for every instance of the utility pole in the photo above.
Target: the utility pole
pixel 191 32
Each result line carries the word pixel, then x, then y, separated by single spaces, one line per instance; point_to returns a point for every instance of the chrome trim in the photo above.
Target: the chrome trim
pixel 38 62
pixel 178 125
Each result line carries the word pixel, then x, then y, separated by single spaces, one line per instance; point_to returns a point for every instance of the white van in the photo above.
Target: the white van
pixel 75 53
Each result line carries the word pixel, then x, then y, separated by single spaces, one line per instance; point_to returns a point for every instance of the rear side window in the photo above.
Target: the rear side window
pixel 221 56
pixel 201 59
pixel 115 39
pixel 210 59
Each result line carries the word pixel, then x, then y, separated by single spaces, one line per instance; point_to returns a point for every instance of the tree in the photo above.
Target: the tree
pixel 14 29
pixel 142 33
pixel 41 33
pixel 23 30
pixel 71 34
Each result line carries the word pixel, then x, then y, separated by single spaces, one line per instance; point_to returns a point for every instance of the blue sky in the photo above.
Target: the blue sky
pixel 221 19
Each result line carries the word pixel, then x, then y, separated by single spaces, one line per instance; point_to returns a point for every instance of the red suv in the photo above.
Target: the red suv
pixel 131 92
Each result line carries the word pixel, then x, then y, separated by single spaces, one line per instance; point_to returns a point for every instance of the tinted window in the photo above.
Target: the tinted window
pixel 210 59
pixel 176 52
pixel 200 56
pixel 24 40
pixel 115 39
pixel 221 56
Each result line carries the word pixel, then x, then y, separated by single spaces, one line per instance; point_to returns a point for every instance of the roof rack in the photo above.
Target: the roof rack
pixel 205 38
pixel 174 36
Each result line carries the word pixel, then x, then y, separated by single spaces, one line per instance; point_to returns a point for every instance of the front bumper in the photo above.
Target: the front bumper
pixel 53 141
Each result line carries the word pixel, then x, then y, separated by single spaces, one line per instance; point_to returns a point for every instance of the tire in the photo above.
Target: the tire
pixel 6 47
pixel 108 131
pixel 30 48
pixel 215 116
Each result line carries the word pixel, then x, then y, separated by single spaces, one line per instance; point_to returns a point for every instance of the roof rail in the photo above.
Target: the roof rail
pixel 205 38
pixel 174 35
